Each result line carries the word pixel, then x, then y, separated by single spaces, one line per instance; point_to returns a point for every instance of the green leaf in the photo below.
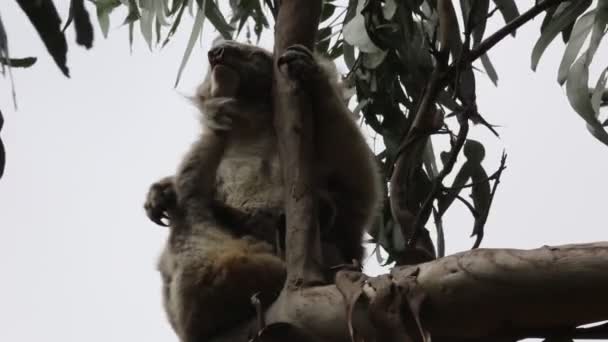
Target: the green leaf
pixel 598 92
pixel 578 95
pixel 555 27
pixel 146 21
pixel 577 38
pixel 46 21
pixel 216 18
pixel 82 23
pixel 356 34
pixel 197 28
pixel 104 8
pixel 328 11
pixel 323 39
pixel 18 62
pixel 490 71
pixel 373 60
pixel 176 22
pixel 349 55
pixel 133 15
pixel 508 9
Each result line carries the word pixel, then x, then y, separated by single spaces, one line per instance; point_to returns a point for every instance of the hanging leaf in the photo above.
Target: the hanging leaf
pixel 133 15
pixel 82 24
pixel 18 62
pixel 5 55
pixel 327 12
pixel 578 96
pixel 197 28
pixel 104 8
pixel 508 9
pixel 598 92
pixel 479 15
pixel 2 152
pixel 46 21
pixel 176 22
pixel 580 31
pixel 146 21
pixel 356 34
pixel 556 26
pixel 216 18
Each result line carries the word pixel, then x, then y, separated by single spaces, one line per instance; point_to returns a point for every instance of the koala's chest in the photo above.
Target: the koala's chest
pixel 250 182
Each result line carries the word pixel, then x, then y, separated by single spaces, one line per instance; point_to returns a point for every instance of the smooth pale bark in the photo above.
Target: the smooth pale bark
pixel 476 294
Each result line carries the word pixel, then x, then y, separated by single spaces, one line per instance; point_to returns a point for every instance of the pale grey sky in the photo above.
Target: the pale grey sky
pixel 77 251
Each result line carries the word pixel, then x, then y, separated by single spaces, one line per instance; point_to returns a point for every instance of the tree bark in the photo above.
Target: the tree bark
pixel 297 23
pixel 474 295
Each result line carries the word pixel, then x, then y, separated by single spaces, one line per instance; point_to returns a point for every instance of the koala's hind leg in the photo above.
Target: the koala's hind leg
pixel 212 292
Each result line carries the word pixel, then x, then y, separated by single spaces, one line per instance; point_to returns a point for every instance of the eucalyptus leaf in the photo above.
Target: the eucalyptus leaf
pixel 508 9
pixel 327 12
pixel 2 151
pixel 104 8
pixel 429 159
pixel 18 62
pixel 82 24
pixel 389 9
pixel 216 18
pixel 46 21
pixel 596 97
pixel 580 31
pixel 146 24
pixel 178 19
pixel 197 28
pixel 490 71
pixel 355 33
pixel 373 60
pixel 2 158
pixel 349 55
pixel 159 10
pixel 555 27
pixel 578 95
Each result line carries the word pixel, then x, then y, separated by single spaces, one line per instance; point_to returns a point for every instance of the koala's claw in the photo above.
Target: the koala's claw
pixel 161 199
pixel 298 63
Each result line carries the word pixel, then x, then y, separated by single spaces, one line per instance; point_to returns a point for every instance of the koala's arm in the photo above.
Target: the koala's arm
pixel 196 176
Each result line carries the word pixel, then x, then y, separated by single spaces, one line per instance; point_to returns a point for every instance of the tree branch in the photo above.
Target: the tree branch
pixel 297 23
pixel 513 25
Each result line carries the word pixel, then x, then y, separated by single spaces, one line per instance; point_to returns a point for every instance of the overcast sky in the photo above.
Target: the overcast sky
pixel 77 251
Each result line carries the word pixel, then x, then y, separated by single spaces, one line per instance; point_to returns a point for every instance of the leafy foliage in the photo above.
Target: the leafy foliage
pixel 410 66
pixel 45 19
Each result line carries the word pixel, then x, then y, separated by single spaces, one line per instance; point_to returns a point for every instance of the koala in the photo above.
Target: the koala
pixel 226 200
pixel 249 176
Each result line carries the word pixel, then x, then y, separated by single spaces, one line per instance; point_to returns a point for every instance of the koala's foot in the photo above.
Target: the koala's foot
pixel 298 63
pixel 160 201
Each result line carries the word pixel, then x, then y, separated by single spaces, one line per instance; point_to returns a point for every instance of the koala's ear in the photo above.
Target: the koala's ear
pixel 217 41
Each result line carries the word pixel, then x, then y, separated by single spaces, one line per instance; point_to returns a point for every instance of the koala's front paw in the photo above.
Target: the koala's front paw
pixel 219 114
pixel 161 200
pixel 298 63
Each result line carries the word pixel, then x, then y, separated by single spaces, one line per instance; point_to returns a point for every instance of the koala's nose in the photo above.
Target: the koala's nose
pixel 215 55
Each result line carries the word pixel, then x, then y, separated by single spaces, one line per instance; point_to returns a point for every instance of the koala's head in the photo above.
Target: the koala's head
pixel 252 65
